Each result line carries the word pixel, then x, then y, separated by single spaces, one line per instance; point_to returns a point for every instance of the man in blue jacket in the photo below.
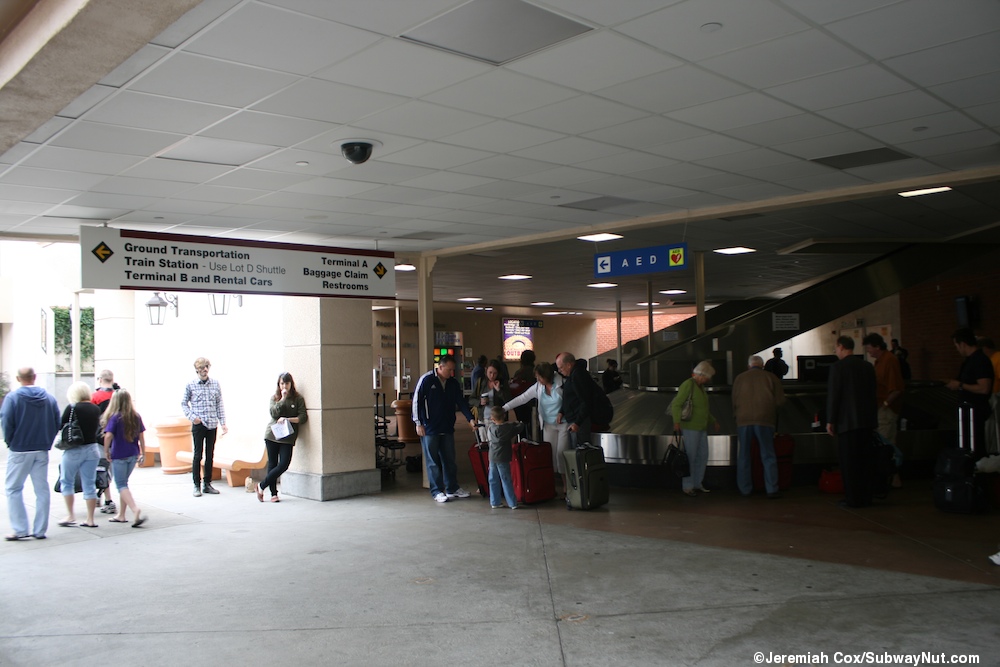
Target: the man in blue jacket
pixel 436 398
pixel 30 419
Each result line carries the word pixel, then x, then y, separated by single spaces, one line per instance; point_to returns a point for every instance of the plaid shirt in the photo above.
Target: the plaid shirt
pixel 203 400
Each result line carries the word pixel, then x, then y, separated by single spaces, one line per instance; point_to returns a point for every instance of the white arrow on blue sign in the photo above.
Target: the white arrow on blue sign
pixel 655 259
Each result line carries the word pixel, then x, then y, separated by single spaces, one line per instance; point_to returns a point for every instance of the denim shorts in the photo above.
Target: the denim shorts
pixel 82 460
pixel 121 469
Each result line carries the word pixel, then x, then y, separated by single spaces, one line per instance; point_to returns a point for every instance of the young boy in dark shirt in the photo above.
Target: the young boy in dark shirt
pixel 501 435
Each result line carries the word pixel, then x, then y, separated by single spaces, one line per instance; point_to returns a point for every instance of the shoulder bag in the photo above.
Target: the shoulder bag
pixel 70 435
pixel 676 459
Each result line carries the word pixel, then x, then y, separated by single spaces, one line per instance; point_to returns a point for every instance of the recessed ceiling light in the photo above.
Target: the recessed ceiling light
pixel 597 238
pixel 542 303
pixel 301 163
pixel 515 276
pixel 381 307
pixel 673 291
pixel 471 298
pixel 738 250
pixel 646 303
pixel 405 267
pixel 711 27
pixel 551 313
pixel 488 309
pixel 602 285
pixel 927 191
pixel 479 307
pixel 470 307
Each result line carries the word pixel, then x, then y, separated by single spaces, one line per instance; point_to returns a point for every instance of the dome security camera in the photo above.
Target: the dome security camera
pixel 357 151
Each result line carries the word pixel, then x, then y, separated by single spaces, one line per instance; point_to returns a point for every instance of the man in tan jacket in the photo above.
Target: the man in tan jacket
pixel 756 397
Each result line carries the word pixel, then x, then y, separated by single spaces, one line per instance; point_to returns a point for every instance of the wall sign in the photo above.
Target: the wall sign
pixel 124 259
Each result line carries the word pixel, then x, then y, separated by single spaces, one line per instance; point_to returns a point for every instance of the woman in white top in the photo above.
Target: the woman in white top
pixel 547 390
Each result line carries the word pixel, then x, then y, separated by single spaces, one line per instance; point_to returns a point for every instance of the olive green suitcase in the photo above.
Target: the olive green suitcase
pixel 586 478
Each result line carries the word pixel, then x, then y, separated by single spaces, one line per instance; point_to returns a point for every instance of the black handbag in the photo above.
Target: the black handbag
pixel 676 459
pixel 70 435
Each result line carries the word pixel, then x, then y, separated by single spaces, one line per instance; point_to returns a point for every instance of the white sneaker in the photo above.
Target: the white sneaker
pixel 995 558
pixel 441 498
pixel 459 493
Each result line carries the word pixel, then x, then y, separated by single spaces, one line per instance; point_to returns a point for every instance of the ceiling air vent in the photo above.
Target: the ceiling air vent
pixel 599 203
pixel 861 158
pixel 495 31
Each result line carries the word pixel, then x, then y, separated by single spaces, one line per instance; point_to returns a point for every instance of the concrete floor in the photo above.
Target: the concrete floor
pixel 654 578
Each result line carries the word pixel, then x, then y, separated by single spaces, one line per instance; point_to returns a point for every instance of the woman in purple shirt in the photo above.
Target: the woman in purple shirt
pixel 124 446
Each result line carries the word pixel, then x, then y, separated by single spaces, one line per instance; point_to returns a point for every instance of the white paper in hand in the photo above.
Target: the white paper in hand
pixel 281 429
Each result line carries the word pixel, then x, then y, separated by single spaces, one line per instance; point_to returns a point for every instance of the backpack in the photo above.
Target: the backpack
pixel 603 412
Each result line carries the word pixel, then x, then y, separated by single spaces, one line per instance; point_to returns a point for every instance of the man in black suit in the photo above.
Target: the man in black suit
pixel 852 418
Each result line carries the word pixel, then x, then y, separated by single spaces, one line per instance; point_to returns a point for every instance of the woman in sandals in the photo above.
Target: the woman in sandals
pixel 124 446
pixel 288 412
pixel 82 459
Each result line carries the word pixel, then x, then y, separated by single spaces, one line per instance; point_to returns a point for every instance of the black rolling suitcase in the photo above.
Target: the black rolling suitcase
pixel 586 478
pixel 956 488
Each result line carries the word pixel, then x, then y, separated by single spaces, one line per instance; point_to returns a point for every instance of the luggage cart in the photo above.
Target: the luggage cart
pixel 387 450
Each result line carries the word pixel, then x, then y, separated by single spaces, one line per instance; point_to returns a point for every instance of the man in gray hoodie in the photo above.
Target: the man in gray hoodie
pixel 30 419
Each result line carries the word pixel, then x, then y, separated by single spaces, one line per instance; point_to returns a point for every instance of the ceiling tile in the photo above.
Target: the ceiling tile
pixel 191 77
pixel 136 63
pixel 85 161
pixel 436 156
pixel 606 13
pixel 265 36
pixel 579 114
pixel 798 56
pixel 51 178
pixel 649 131
pixel 380 18
pixel 840 88
pixel 803 126
pixel 152 112
pixel 86 101
pixel 911 26
pixel 676 29
pixel 106 200
pixel 266 128
pixel 143 187
pixel 216 151
pixel 970 57
pixel 447 182
pixel 970 92
pixel 590 62
pixel 32 194
pixel 502 136
pixel 950 122
pixel 570 150
pixel 505 166
pixel 746 160
pixel 733 112
pixel 500 93
pixel 676 88
pixel 625 163
pixel 886 109
pixel 422 120
pixel 331 187
pixel 403 69
pixel 698 148
pixel 325 101
pixel 177 170
pixel 560 176
pixel 114 139
pixel 824 11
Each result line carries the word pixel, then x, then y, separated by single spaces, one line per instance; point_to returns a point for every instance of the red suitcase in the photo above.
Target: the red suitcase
pixel 531 470
pixel 479 454
pixel 784 451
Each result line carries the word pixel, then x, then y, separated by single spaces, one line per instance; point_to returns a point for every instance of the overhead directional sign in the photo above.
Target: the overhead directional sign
pixel 123 259
pixel 655 259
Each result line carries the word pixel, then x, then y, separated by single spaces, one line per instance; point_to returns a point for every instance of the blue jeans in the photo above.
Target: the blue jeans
pixel 500 479
pixel 83 460
pixel 765 440
pixel 439 455
pixel 696 446
pixel 121 469
pixel 21 465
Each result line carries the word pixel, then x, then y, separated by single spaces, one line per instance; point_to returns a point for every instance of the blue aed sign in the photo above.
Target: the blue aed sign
pixel 641 260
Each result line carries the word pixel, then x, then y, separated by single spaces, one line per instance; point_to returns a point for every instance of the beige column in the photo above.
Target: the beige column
pixel 425 316
pixel 114 335
pixel 328 350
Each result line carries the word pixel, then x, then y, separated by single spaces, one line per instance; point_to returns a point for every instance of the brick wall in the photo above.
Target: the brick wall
pixel 928 316
pixel 633 327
